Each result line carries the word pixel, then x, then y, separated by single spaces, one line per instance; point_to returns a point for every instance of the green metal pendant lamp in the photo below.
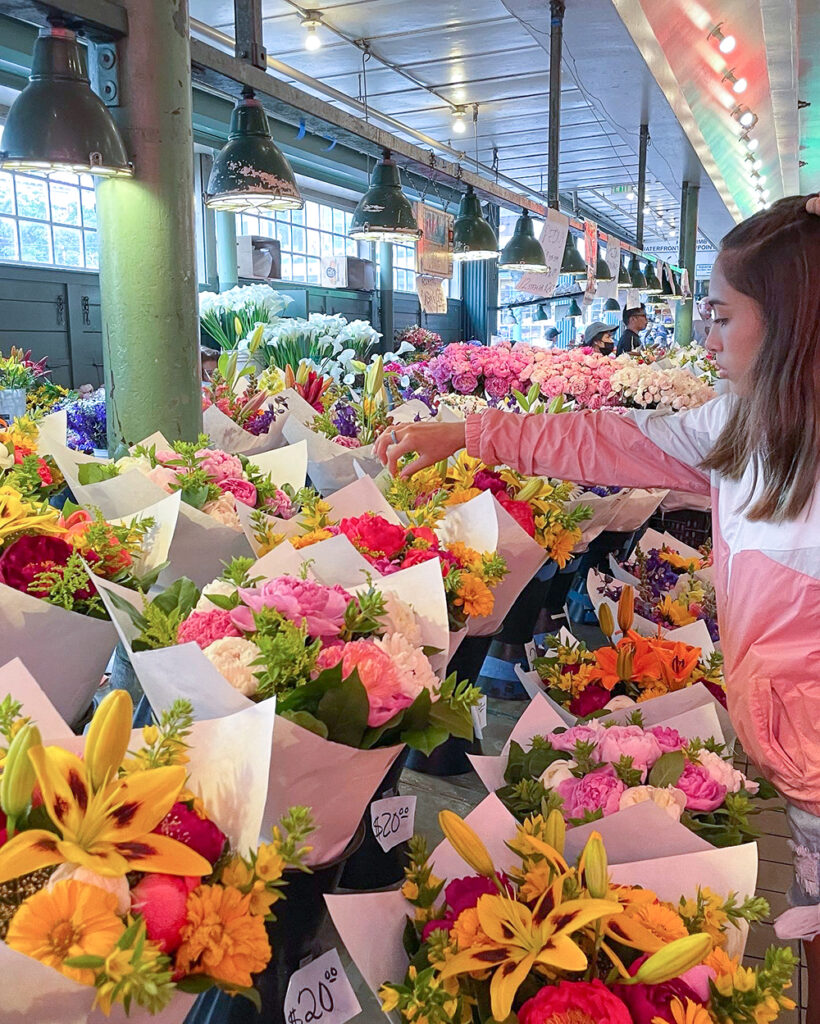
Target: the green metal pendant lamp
pixel 523 252
pixel 251 172
pixel 573 262
pixel 612 306
pixel 473 235
pixel 58 123
pixel 602 271
pixel 653 285
pixel 636 278
pixel 623 276
pixel 384 213
pixel 574 310
pixel 541 314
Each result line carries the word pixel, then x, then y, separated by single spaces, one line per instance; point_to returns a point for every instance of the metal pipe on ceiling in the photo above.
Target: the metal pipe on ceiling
pixel 557 10
pixel 642 148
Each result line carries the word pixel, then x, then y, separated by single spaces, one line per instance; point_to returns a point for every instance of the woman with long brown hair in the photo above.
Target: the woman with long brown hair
pixel 757 451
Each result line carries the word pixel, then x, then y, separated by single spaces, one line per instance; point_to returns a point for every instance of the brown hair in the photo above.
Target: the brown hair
pixel 774 258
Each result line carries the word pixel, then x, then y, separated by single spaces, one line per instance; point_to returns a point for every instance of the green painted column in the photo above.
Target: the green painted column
pixel 386 295
pixel 148 285
pixel 688 248
pixel 226 249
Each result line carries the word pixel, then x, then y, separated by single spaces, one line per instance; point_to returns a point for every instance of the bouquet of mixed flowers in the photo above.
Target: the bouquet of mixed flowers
pixel 33 476
pixel 537 936
pixel 230 316
pixel 18 371
pixel 638 386
pixel 130 869
pixel 696 360
pixel 45 397
pixel 85 421
pixel 237 414
pixel 425 344
pixel 347 667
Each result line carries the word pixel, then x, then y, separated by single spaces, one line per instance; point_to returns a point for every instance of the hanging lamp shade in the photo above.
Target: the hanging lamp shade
pixel 541 314
pixel 523 251
pixel 653 285
pixel 473 235
pixel 384 213
pixel 623 276
pixel 611 306
pixel 636 278
pixel 602 271
pixel 574 310
pixel 251 172
pixel 58 123
pixel 667 285
pixel 572 261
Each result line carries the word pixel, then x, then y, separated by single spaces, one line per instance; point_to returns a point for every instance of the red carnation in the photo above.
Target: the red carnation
pixel 520 511
pixel 374 536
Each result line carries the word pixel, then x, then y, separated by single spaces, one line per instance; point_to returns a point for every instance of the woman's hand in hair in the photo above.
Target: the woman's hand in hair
pixel 432 441
pixel 813 205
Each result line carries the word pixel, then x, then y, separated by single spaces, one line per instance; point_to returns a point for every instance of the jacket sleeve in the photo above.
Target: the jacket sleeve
pixel 639 449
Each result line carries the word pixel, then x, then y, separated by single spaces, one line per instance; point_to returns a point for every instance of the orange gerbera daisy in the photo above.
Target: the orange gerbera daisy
pixel 72 919
pixel 474 596
pixel 222 937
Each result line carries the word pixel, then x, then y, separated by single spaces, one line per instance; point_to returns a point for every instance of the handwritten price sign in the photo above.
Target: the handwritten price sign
pixel 320 991
pixel 392 820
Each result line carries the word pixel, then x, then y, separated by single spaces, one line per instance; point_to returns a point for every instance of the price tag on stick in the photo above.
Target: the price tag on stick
pixel 393 820
pixel 320 991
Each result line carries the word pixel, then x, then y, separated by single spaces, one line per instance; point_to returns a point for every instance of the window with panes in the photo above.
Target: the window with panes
pixel 48 219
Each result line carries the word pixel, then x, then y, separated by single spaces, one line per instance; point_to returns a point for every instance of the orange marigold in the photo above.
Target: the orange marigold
pixel 474 596
pixel 222 937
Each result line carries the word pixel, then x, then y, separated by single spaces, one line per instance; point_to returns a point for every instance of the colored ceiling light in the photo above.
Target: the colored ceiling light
pixel 459 120
pixel 636 278
pixel 473 235
pixel 573 262
pixel 384 213
pixel 523 251
pixel 311 23
pixel 574 310
pixel 251 172
pixel 623 275
pixel 725 43
pixel 541 314
pixel 57 123
pixel 612 306
pixel 602 271
pixel 653 285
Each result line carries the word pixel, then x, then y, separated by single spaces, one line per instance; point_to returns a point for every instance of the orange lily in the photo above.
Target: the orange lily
pixel 108 830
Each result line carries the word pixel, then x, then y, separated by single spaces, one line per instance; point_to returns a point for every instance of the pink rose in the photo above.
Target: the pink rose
pixel 460 895
pixel 198 834
pixel 703 793
pixel 629 741
pixel 242 490
pixel 204 627
pixel 219 465
pixel 668 739
pixel 163 477
pixel 164 455
pixel 321 608
pixel 600 790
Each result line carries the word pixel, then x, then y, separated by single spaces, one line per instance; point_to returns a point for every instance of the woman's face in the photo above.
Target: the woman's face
pixel 737 329
pixel 603 341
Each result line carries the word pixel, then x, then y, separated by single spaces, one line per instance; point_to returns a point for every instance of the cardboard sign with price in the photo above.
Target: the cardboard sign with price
pixel 320 991
pixel 393 820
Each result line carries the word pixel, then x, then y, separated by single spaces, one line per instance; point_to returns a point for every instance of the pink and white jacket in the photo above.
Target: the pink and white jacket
pixel 767 574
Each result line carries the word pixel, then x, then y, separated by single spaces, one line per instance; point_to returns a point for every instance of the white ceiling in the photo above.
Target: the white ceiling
pixel 495 54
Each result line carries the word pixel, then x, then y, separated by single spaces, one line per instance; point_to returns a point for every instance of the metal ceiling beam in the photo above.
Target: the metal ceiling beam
pixel 98 20
pixel 250 46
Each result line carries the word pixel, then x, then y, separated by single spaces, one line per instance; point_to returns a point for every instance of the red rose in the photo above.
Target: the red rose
pixel 162 902
pixel 569 1000
pixel 200 834
pixel 28 556
pixel 520 511
pixel 374 536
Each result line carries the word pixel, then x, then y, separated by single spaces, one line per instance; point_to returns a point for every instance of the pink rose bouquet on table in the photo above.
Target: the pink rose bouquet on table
pixel 639 386
pixel 593 770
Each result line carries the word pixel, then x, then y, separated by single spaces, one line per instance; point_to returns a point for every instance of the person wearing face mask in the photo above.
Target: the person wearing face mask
pixel 599 337
pixel 756 453
pixel 635 321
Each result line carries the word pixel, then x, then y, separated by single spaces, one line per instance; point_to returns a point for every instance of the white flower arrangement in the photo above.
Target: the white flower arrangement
pixel 646 387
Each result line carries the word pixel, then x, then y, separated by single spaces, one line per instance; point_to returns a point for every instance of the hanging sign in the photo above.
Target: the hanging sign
pixel 552 238
pixel 430 291
pixel 434 252
pixel 609 289
pixel 393 820
pixel 591 253
pixel 320 991
pixel 670 280
pixel 685 287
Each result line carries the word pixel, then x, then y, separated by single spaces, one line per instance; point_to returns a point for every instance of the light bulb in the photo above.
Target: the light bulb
pixel 672 230
pixel 459 123
pixel 747 119
pixel 762 179
pixel 312 38
pixel 647 209
pixel 757 164
pixel 630 195
pixel 727 44
pixel 752 144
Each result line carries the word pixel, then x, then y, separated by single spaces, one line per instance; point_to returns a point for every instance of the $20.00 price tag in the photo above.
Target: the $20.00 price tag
pixel 392 820
pixel 320 991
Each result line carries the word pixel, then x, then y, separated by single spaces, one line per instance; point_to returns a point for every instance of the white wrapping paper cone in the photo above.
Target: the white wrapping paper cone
pixel 230 437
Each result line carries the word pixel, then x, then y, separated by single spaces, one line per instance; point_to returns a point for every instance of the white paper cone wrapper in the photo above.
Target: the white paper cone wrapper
pixel 676 500
pixel 230 437
pixel 603 509
pixel 634 509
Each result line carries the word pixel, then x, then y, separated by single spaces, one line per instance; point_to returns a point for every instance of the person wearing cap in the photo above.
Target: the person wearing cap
pixel 599 336
pixel 551 337
pixel 635 320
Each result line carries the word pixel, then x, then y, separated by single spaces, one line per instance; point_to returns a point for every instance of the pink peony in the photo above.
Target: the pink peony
pixel 589 733
pixel 587 1002
pixel 460 895
pixel 220 465
pixel 600 790
pixel 703 793
pixel 204 627
pixel 198 834
pixel 242 490
pixel 668 739
pixel 377 674
pixel 629 741
pixel 163 477
pixel 279 504
pixel 321 608
pixel 162 901
pixel 648 1003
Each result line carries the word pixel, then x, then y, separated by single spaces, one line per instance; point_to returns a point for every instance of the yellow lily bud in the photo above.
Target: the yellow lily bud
pixel 237 326
pixel 108 736
pixel 623 664
pixel 626 609
pixel 466 843
pixel 531 489
pixel 673 960
pixel 18 772
pixel 555 831
pixel 605 621
pixel 595 866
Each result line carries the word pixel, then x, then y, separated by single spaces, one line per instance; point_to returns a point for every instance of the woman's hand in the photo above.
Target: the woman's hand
pixel 432 441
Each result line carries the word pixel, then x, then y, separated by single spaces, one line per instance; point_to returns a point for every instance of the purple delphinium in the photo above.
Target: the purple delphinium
pixel 344 420
pixel 603 492
pixel 85 421
pixel 260 424
pixel 658 574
